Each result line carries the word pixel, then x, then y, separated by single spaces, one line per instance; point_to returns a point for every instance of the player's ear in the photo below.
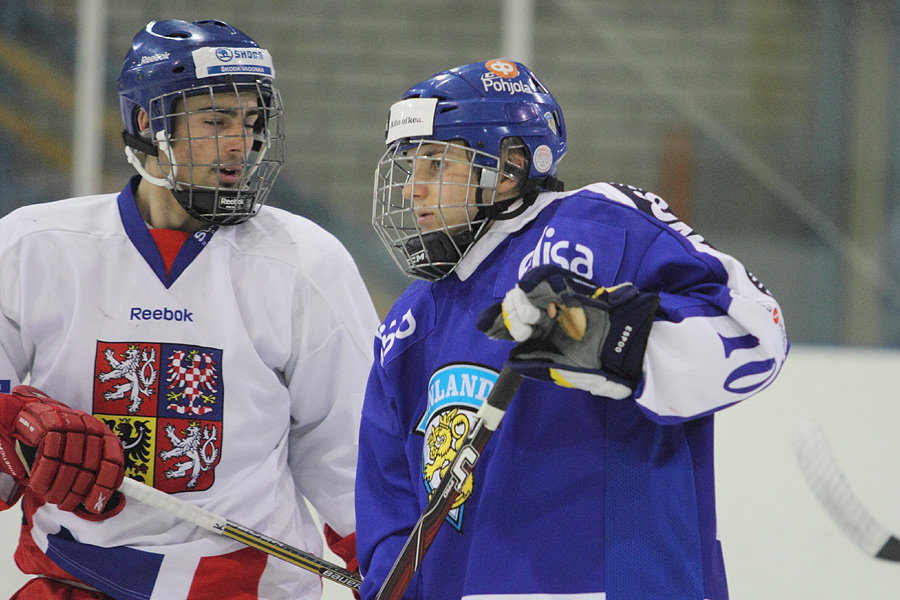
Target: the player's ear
pixel 143 123
pixel 515 166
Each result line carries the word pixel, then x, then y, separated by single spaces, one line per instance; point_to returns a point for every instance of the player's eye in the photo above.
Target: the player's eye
pixel 250 119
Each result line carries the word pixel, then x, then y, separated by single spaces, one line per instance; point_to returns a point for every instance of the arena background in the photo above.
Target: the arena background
pixel 771 126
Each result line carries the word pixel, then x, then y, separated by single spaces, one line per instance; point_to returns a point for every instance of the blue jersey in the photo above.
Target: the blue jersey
pixel 574 494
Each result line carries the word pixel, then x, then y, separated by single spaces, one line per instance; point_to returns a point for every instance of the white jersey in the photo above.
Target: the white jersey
pixel 234 381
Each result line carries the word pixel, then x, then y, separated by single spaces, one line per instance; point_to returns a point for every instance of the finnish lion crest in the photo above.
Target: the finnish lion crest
pixel 455 393
pixel 197 446
pixel 443 442
pixel 137 369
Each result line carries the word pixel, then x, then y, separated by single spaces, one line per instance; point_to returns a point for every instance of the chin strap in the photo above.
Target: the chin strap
pixel 435 254
pixel 135 144
pixel 139 143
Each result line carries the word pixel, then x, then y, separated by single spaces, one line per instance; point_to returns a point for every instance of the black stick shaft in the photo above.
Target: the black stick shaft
pixel 295 556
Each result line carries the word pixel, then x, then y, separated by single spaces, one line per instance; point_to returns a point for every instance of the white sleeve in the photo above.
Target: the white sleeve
pixel 335 324
pixel 15 360
pixel 726 342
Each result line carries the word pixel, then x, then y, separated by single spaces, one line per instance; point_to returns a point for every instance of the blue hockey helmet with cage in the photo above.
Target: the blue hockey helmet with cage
pixel 497 109
pixel 161 61
pixel 171 60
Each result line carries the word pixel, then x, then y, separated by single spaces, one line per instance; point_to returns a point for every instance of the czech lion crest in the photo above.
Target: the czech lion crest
pixel 165 402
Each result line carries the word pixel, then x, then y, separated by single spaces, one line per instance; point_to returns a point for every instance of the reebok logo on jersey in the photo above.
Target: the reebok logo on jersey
pixel 160 314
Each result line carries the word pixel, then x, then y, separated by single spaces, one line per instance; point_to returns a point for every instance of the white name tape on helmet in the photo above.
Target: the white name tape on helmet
pixel 411 118
pixel 215 62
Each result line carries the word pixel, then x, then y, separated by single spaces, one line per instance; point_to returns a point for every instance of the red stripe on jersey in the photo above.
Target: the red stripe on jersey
pixel 344 547
pixel 236 574
pixel 48 589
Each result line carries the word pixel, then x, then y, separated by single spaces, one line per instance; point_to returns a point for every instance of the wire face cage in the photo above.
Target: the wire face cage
pixel 429 202
pixel 219 147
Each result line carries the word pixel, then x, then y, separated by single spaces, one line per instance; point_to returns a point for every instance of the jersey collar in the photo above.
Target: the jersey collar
pixel 498 232
pixel 143 241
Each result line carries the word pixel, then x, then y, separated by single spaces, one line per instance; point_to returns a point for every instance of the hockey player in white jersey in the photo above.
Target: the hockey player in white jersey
pixel 185 335
pixel 632 333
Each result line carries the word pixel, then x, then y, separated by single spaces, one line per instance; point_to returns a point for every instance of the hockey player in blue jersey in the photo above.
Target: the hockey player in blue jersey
pixel 631 330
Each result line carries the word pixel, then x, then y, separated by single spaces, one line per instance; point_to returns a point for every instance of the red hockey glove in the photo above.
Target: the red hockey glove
pixel 65 455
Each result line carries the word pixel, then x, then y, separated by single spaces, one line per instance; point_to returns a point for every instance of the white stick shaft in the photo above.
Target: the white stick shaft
pixel 827 482
pixel 222 526
pixel 172 505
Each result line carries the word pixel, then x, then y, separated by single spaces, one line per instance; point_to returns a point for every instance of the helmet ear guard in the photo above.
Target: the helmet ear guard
pixel 509 167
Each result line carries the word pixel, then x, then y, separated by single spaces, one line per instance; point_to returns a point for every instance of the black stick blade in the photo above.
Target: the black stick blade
pixel 890 551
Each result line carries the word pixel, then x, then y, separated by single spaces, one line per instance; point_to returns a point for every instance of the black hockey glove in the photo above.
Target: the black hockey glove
pixel 573 332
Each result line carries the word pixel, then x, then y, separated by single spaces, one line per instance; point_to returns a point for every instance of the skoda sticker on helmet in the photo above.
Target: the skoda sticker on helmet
pixel 216 62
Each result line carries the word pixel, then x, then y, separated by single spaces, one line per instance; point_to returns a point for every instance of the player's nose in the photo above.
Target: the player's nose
pixel 414 191
pixel 235 140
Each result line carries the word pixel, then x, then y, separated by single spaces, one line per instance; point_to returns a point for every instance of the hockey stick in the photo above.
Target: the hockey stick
pixel 825 479
pixel 222 526
pixel 439 505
